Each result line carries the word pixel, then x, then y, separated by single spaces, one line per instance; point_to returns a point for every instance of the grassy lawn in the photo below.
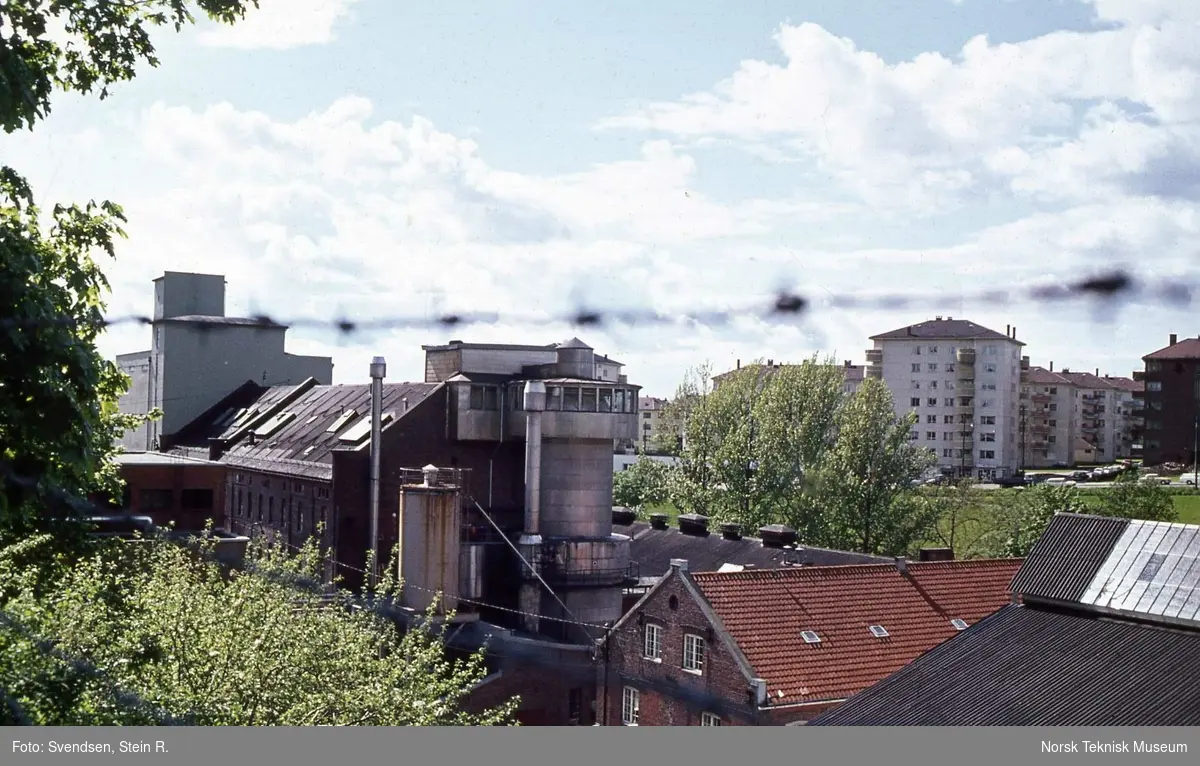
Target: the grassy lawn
pixel 1188 507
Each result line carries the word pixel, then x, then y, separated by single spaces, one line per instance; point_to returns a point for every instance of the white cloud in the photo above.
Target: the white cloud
pixel 281 25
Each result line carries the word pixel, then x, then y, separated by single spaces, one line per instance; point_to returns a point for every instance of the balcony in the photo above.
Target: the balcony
pixel 965 386
pixel 1139 375
pixel 966 356
pixel 1040 398
pixel 874 371
pixel 1040 428
pixel 874 356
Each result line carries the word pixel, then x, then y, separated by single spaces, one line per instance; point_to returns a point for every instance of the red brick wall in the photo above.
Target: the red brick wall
pixel 545 697
pixel 141 480
pixel 291 508
pixel 1177 408
pixel 669 695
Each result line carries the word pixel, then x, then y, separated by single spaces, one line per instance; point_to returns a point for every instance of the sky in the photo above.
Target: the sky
pixel 382 158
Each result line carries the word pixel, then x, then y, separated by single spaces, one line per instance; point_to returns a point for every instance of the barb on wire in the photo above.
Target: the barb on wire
pixel 785 305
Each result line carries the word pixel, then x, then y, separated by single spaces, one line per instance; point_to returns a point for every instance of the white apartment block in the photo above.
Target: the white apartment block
pixel 963 380
pixel 1077 417
pixel 650 410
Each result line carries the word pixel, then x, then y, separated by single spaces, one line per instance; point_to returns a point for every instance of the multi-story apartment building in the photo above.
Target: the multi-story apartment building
pixel 963 380
pixel 650 420
pixel 1048 423
pixel 854 373
pixel 1172 396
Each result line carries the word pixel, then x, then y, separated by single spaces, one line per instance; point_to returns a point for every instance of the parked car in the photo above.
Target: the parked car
pixel 1081 475
pixel 1060 481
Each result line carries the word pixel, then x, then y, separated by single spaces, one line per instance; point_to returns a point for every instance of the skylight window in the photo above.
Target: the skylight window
pixel 341 422
pixel 274 424
pixel 958 624
pixel 226 417
pixel 810 637
pixel 878 631
pixel 362 429
pixel 244 415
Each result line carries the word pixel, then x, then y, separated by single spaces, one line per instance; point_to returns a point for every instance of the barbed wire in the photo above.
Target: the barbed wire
pixel 1107 287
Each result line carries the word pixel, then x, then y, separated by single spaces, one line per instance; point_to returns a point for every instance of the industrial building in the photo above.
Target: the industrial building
pixel 198 356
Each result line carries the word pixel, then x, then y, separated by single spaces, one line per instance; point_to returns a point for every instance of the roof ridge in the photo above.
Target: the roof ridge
pixel 807 571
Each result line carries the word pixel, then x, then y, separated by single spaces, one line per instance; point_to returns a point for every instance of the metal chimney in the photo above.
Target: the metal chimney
pixel 535 403
pixel 378 372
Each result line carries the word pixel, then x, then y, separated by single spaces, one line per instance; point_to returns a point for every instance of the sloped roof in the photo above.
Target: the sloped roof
pixel 1125 384
pixel 764 612
pixel 944 329
pixel 1144 570
pixel 1043 377
pixel 214 421
pixel 653 550
pixel 1188 348
pixel 1030 666
pixel 314 412
pixel 1087 380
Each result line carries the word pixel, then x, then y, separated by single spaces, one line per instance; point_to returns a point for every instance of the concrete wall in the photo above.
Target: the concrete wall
pixel 202 366
pixel 502 361
pixel 137 399
pixel 182 294
pixel 145 482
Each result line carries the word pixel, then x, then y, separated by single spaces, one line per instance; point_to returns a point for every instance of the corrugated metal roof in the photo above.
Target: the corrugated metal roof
pixel 1153 572
pixel 766 612
pixel 653 550
pixel 1028 666
pixel 1067 557
pixel 305 437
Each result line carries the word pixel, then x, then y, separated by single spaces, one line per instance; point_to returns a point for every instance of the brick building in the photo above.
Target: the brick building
pixel 185 492
pixel 771 647
pixel 1172 402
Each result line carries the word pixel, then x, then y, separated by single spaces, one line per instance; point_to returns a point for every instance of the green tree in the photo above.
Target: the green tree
pixel 697 382
pixel 1034 509
pixel 645 482
pixel 972 522
pixel 1130 498
pixel 866 477
pixel 172 630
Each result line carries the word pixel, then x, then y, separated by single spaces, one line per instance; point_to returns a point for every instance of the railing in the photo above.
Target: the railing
pixel 443 477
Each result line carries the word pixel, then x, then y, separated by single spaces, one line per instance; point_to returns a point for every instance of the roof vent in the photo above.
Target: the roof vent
pixel 623 517
pixel 1174 339
pixel 693 524
pixel 658 520
pixel 936 554
pixel 777 536
pixel 902 564
pixel 454 343
pixel 878 631
pixel 958 624
pixel 810 636
pixel 430 473
pixel 731 531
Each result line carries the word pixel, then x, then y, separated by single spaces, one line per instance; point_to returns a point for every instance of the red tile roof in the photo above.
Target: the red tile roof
pixel 765 611
pixel 1188 348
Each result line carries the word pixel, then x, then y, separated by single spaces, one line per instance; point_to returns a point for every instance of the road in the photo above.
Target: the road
pixel 1089 485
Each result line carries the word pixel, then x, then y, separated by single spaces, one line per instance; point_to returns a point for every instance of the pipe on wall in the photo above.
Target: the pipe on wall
pixel 378 371
pixel 535 402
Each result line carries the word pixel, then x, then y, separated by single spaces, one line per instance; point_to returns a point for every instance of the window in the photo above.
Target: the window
pixel 629 706
pixel 1052 438
pixel 931 419
pixel 518 397
pixel 693 653
pixel 948 419
pixel 987 403
pixel 238 507
pixel 653 642
pixel 950 367
pixel 933 349
pixel 154 499
pixel 916 350
pixel 913 436
pixel 933 384
pixel 988 386
pixel 964 401
pixel 322 493
pixel 196 500
pixel 948 436
pixel 260 507
pixel 709 719
pixel 916 367
pixel 485 398
pixel 1153 366
pixel 932 401
pixel 878 631
pixel 932 367
pixel 915 401
pixel 987 454
pixel 588 400
pixel 271 510
pixel 947 452
pixel 1053 423
pixel 991 350
pixel 266 483
pixel 916 384
pixel 298 488
pixel 949 402
pixel 989 366
pixel 1053 407
pixel 810 636
pixel 645 415
pixel 988 437
pixel 1154 385
pixel 299 516
pixel 987 420
pixel 570 399
pixel 554 398
pixel 931 436
pixel 239 478
pixel 959 624
pixel 1053 390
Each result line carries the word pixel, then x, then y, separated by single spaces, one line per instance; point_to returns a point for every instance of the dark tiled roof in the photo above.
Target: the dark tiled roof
pixel 1188 348
pixel 1125 384
pixel 1068 556
pixel 653 550
pixel 944 329
pixel 213 422
pixel 315 411
pixel 1027 666
pixel 1043 377
pixel 766 611
pixel 1087 380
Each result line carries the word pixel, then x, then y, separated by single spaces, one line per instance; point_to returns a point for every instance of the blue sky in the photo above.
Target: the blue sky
pixel 380 156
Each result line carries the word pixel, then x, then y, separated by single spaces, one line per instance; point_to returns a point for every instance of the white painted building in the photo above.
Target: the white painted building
pixel 963 380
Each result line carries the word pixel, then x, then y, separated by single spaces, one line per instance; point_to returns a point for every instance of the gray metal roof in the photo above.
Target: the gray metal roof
pixel 653 550
pixel 1067 557
pixel 574 343
pixel 227 321
pixel 1029 666
pixel 944 329
pixel 161 458
pixel 306 436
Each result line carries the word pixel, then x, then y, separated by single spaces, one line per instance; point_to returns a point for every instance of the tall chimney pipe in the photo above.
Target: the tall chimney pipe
pixel 1174 339
pixel 1052 367
pixel 378 372
pixel 535 403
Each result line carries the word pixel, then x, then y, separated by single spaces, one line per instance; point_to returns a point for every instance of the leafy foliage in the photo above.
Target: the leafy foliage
pixel 787 445
pixel 58 418
pixel 972 522
pixel 645 482
pixel 1131 498
pixel 1035 508
pixel 108 39
pixel 150 631
pixel 673 419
